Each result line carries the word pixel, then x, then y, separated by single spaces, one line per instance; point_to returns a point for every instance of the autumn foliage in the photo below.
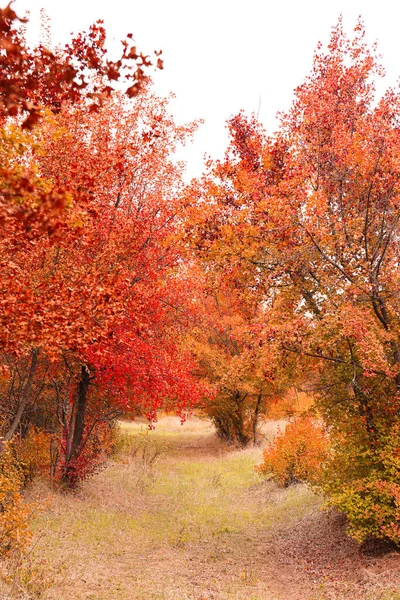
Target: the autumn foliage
pixel 88 249
pixel 307 221
pixel 15 532
pixel 362 481
pixel 123 291
pixel 232 359
pixel 297 454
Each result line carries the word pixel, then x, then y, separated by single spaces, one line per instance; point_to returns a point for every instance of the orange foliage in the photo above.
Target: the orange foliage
pixel 90 212
pixel 296 242
pixel 297 454
pixel 33 454
pixel 290 404
pixel 307 220
pixel 227 338
pixel 15 533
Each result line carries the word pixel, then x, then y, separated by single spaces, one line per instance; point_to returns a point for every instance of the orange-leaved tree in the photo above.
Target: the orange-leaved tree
pixel 229 338
pixel 309 219
pixel 34 79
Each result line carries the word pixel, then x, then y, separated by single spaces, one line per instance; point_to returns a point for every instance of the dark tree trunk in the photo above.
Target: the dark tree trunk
pixel 77 425
pixel 255 421
pixel 24 397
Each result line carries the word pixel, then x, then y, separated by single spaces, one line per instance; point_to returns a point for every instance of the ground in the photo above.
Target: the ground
pixel 178 516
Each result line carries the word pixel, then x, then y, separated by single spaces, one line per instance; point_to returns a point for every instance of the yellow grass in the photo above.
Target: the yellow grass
pixel 177 516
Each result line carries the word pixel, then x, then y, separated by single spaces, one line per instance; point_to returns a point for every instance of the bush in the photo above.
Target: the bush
pixel 98 446
pixel 362 480
pixel 359 477
pixel 297 454
pixel 33 454
pixel 15 534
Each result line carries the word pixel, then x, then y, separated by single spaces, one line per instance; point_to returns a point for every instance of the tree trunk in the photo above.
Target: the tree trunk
pixel 256 413
pixel 77 426
pixel 25 394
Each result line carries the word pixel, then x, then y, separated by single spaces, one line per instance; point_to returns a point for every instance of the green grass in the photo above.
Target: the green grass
pixel 177 516
pixel 205 498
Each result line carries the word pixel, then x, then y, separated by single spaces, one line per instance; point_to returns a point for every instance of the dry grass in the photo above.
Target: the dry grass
pixel 179 516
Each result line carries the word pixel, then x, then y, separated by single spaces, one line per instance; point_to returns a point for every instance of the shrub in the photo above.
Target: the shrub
pixel 297 454
pixel 362 480
pixel 15 534
pixel 98 446
pixel 125 444
pixel 140 447
pixel 33 454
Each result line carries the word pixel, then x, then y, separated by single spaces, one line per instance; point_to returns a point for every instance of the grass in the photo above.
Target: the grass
pixel 180 516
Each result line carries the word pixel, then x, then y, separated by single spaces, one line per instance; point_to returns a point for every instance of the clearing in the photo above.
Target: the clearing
pixel 180 517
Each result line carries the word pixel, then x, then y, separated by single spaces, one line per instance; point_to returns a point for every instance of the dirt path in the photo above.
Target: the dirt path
pixel 199 524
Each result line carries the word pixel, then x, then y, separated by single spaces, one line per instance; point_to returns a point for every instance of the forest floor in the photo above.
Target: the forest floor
pixel 178 516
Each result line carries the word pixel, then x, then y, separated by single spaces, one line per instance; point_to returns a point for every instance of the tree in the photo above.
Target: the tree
pixel 308 219
pixel 228 338
pixel 93 303
pixel 32 80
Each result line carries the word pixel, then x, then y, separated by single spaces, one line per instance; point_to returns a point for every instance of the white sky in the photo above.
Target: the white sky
pixel 221 56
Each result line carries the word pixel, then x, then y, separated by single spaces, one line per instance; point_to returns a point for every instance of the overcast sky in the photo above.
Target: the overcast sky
pixel 221 56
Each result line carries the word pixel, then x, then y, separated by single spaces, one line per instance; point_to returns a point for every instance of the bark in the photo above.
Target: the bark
pixel 256 413
pixel 77 424
pixel 25 395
